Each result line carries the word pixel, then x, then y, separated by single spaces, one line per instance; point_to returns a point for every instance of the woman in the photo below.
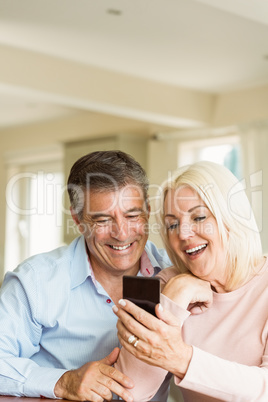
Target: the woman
pixel 212 332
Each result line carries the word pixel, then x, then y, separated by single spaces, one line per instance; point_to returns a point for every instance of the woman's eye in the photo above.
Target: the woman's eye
pixel 172 226
pixel 200 218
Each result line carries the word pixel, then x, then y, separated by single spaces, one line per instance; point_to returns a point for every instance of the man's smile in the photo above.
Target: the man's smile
pixel 120 247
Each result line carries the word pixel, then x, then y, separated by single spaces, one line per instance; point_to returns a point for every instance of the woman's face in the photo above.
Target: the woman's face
pixel 193 235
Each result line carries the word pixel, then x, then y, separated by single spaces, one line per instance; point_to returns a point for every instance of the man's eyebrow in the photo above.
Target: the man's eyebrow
pixel 98 215
pixel 105 215
pixel 135 209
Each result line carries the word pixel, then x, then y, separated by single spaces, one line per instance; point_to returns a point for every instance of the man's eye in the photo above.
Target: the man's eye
pixel 103 222
pixel 133 217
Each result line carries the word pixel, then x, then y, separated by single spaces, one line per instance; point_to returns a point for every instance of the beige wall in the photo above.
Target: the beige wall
pixel 82 126
pixel 127 106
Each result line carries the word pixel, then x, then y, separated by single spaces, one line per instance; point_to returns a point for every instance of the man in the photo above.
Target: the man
pixel 58 336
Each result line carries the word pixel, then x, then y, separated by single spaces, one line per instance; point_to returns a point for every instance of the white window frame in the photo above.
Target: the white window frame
pixel 49 159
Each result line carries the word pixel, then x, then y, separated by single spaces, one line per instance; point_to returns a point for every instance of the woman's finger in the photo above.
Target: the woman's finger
pixel 197 308
pixel 135 315
pixel 132 343
pixel 127 327
pixel 166 316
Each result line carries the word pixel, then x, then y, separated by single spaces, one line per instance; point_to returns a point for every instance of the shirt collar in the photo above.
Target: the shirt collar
pixel 146 268
pixel 82 269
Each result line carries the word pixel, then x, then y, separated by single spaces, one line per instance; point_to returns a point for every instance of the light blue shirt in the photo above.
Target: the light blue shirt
pixel 55 317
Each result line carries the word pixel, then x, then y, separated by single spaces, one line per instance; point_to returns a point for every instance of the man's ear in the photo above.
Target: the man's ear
pixel 77 221
pixel 148 208
pixel 75 217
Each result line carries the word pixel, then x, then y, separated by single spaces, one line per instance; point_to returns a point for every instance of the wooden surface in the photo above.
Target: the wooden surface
pixel 25 399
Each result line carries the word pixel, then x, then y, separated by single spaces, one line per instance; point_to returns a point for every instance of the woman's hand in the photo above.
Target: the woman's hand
pixel 189 292
pixel 159 340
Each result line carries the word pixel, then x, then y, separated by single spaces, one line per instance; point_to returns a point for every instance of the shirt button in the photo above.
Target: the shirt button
pixel 108 301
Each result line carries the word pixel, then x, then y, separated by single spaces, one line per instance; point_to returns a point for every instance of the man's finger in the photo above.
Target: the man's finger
pixel 111 358
pixel 116 375
pixel 116 382
pixel 106 368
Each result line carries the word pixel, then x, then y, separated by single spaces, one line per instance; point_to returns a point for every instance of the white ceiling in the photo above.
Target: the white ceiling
pixel 207 45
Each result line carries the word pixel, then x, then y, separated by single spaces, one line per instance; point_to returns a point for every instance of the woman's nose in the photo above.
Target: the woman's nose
pixel 186 230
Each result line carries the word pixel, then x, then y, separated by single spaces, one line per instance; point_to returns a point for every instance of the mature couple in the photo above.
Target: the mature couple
pixel 59 310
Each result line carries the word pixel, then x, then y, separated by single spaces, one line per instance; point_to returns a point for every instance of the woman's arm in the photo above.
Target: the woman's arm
pixel 186 290
pixel 196 371
pixel 146 364
pixel 225 380
pixel 183 289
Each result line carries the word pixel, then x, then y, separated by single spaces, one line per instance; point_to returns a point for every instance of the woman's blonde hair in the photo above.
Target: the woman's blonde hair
pixel 225 197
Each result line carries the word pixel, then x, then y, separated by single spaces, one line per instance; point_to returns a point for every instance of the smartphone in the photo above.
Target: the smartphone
pixel 144 292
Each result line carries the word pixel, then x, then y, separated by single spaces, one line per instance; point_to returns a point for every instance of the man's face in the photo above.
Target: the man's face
pixel 115 226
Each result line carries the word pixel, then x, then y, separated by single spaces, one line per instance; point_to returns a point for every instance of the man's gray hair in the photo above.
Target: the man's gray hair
pixel 104 171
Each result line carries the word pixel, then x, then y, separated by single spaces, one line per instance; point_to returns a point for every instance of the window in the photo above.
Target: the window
pixel 222 150
pixel 44 223
pixel 34 207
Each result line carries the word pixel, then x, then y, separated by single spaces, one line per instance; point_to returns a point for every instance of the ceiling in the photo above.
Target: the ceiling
pixel 213 46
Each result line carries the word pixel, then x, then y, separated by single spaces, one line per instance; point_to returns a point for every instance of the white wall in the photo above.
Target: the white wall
pixel 225 110
pixel 37 137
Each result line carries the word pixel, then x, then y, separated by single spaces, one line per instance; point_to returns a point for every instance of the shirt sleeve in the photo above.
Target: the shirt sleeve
pixel 20 333
pixel 225 380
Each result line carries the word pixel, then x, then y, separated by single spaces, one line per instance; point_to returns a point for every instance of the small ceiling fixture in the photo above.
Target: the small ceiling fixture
pixel 114 11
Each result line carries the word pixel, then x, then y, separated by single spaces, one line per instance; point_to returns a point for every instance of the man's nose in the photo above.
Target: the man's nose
pixel 120 229
pixel 186 230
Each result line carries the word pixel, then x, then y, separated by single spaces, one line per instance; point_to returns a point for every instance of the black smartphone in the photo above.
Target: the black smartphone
pixel 143 291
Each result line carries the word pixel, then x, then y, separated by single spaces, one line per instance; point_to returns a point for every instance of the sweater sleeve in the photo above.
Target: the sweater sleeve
pixel 225 380
pixel 147 379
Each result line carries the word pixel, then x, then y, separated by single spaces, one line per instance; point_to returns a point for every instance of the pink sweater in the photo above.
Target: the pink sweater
pixel 230 348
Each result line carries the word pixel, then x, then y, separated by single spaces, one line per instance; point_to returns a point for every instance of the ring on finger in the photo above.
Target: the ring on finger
pixel 131 339
pixel 136 343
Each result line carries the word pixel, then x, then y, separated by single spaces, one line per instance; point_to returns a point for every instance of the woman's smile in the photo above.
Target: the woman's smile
pixel 193 234
pixel 192 251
